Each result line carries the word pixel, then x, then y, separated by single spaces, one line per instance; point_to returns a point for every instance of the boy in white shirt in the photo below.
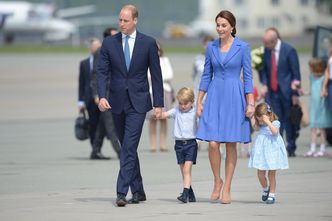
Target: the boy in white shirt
pixel 185 127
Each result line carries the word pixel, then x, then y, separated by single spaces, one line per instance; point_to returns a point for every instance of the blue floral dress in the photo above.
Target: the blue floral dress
pixel 268 152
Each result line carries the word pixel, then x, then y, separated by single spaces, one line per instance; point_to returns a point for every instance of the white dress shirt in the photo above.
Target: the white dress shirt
pixel 277 50
pixel 131 42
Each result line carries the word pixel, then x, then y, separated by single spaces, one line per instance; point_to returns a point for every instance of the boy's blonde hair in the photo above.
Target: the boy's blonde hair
pixel 264 109
pixel 185 95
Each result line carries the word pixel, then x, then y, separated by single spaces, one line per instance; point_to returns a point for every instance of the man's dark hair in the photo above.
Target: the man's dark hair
pixel 107 31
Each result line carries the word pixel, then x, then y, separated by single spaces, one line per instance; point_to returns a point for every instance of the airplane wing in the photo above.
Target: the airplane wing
pixel 75 11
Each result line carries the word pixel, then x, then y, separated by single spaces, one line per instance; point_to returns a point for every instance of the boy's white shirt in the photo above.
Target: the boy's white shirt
pixel 185 123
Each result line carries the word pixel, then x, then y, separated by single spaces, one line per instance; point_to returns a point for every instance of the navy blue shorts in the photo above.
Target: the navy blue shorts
pixel 186 150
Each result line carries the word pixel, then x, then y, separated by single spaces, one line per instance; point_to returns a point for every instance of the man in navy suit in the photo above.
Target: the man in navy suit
pixel 105 125
pixel 85 94
pixel 280 77
pixel 125 59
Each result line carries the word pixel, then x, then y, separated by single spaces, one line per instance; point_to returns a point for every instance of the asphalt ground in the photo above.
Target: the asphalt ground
pixel 46 174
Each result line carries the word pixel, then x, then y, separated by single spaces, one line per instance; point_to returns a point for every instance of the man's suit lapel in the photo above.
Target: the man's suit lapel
pixel 281 52
pixel 87 67
pixel 136 49
pixel 268 59
pixel 119 48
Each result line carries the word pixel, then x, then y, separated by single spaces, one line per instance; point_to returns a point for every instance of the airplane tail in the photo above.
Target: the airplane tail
pixel 3 17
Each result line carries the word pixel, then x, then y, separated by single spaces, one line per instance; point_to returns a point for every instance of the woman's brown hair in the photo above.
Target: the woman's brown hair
pixel 230 18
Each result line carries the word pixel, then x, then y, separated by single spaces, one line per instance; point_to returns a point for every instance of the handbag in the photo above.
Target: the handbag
pixel 82 126
pixel 295 114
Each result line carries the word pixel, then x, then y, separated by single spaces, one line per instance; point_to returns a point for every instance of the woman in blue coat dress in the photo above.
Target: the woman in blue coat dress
pixel 229 101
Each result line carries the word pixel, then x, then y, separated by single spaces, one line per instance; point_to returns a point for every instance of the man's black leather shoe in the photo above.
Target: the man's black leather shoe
pixel 98 156
pixel 291 154
pixel 121 200
pixel 141 196
pixel 137 197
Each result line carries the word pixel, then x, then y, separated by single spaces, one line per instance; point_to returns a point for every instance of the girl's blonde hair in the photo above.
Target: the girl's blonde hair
pixel 316 66
pixel 185 95
pixel 264 109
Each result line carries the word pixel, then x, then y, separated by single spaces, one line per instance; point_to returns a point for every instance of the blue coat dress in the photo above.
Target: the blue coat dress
pixel 223 118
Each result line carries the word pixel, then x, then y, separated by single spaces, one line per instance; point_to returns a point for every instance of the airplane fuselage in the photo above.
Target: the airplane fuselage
pixel 25 17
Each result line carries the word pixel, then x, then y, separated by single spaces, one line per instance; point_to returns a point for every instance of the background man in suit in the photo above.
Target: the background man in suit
pixel 85 96
pixel 125 58
pixel 105 125
pixel 280 78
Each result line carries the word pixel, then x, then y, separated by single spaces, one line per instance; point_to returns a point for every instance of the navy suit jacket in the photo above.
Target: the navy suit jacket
pixel 111 65
pixel 288 69
pixel 84 89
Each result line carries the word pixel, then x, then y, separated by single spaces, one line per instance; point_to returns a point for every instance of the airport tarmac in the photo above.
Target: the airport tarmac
pixel 46 174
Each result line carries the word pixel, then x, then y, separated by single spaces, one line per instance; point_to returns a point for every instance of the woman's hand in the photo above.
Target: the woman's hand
pixel 199 105
pixel 250 111
pixel 199 110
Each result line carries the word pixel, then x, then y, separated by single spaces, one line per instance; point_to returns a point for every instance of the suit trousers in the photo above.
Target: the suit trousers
pixel 94 113
pixel 281 107
pixel 106 128
pixel 129 125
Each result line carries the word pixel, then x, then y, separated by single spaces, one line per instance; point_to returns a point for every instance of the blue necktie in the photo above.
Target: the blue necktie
pixel 127 52
pixel 91 64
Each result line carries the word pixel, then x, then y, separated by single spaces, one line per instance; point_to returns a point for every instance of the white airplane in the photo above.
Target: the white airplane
pixel 27 18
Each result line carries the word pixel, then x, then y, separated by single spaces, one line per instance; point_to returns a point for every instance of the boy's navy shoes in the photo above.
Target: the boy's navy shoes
pixel 191 197
pixel 184 197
